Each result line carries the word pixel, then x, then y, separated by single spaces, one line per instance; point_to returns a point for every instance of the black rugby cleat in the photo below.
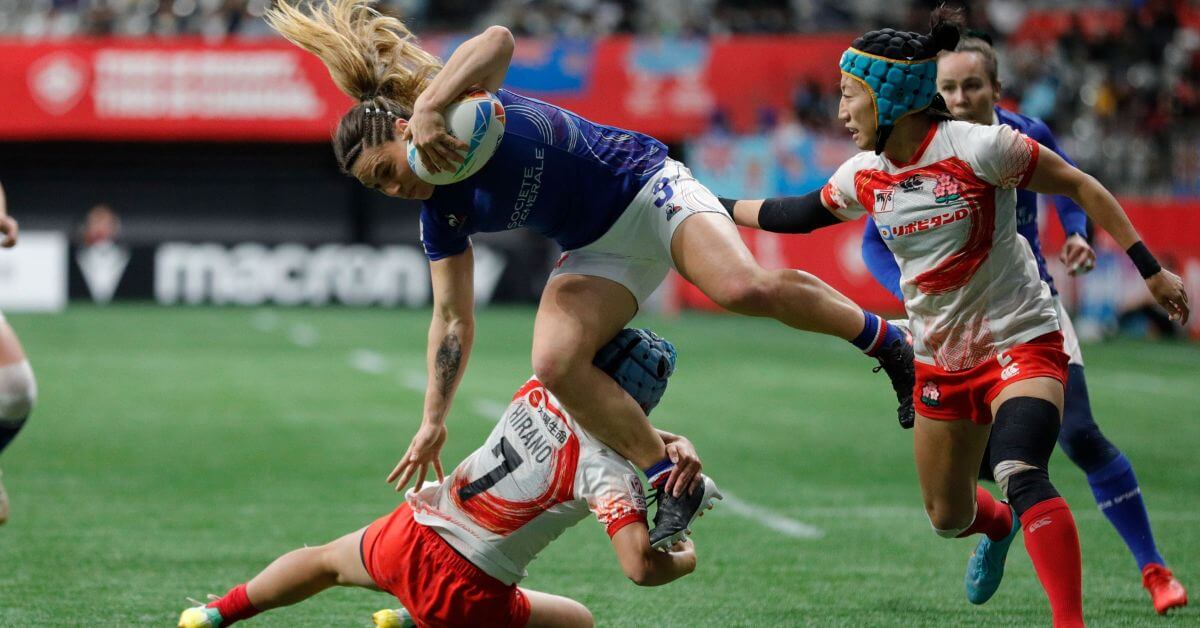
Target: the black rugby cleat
pixel 675 515
pixel 896 360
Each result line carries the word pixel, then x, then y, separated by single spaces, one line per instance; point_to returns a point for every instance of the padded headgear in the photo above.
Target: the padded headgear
pixel 899 70
pixel 640 361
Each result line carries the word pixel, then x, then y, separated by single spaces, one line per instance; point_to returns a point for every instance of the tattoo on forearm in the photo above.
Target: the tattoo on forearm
pixel 449 358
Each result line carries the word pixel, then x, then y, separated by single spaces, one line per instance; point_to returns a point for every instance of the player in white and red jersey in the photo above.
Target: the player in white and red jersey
pixel 986 336
pixel 454 552
pixel 18 389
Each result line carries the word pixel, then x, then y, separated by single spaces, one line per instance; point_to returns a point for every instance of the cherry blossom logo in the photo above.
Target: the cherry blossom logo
pixel 930 395
pixel 947 189
pixel 58 82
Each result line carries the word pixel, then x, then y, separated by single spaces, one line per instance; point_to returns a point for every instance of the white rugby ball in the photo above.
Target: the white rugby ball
pixel 478 120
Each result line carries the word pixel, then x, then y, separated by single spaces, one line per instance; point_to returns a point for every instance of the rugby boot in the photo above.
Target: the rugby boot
pixel 393 618
pixel 1165 591
pixel 675 515
pixel 200 617
pixel 896 360
pixel 985 567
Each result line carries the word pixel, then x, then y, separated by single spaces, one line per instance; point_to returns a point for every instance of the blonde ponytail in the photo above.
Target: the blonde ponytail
pixel 368 54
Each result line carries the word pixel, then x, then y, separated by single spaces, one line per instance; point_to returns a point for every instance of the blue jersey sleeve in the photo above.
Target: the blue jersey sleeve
pixel 1070 214
pixel 438 238
pixel 879 259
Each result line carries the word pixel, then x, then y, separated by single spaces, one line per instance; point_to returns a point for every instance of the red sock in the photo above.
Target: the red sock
pixel 1053 544
pixel 992 518
pixel 234 606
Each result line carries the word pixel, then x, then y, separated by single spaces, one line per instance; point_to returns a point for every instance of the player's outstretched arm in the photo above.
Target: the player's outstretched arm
pixel 482 61
pixel 646 566
pixel 1053 175
pixel 451 335
pixel 784 214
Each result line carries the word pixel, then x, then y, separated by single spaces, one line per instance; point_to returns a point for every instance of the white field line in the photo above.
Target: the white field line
pixel 303 335
pixel 368 361
pixel 769 518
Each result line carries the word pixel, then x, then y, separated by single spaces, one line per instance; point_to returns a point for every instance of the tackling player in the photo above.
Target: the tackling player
pixel 623 212
pixel 985 330
pixel 969 81
pixel 18 390
pixel 454 552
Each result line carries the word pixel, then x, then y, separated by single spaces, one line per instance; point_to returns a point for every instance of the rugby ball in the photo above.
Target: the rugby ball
pixel 478 120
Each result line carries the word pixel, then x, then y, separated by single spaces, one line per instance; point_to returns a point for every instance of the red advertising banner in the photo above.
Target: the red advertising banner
pixel 186 89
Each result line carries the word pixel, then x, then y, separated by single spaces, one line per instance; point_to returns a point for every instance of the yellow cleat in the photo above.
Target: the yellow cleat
pixel 393 618
pixel 200 617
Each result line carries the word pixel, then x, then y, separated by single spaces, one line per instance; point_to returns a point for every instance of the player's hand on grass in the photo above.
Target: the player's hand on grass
pixel 438 149
pixel 685 476
pixel 8 231
pixel 1168 290
pixel 1077 255
pixel 423 452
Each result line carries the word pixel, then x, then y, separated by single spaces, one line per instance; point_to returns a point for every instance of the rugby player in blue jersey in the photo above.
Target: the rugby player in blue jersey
pixel 969 82
pixel 623 212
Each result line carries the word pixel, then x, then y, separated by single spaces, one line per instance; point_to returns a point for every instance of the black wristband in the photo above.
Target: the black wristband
pixel 1144 260
pixel 728 204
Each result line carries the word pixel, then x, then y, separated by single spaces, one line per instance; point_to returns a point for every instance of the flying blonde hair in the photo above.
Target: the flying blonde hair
pixel 372 57
pixel 368 54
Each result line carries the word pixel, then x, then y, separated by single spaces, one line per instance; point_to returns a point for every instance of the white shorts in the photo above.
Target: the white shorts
pixel 636 251
pixel 1070 340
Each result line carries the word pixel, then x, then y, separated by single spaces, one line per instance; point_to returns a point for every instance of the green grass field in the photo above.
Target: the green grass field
pixel 175 452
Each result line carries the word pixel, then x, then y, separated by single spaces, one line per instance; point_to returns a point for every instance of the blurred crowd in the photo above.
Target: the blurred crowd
pixel 1118 81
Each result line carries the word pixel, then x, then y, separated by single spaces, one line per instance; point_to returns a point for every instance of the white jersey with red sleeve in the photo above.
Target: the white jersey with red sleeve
pixel 538 474
pixel 970 282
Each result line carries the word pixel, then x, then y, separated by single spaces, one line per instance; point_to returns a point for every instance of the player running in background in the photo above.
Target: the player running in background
pixel 18 390
pixel 454 552
pixel 985 330
pixel 623 212
pixel 969 81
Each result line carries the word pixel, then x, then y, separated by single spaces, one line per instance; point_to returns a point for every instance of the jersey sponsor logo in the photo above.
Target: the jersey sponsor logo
pixel 911 184
pixel 947 189
pixel 931 395
pixel 456 221
pixel 527 194
pixel 925 224
pixel 1009 372
pixel 883 201
pixel 1003 358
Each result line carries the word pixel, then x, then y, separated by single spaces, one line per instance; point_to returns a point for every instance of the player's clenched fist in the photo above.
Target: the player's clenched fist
pixel 424 451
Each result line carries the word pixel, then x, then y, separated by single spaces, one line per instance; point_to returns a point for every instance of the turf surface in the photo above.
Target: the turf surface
pixel 174 452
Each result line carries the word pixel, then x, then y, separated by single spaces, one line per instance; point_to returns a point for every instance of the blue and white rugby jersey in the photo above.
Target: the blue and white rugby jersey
pixel 554 172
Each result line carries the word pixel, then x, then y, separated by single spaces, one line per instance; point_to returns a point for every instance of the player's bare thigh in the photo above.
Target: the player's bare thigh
pixel 11 351
pixel 345 558
pixel 554 611
pixel 578 314
pixel 948 454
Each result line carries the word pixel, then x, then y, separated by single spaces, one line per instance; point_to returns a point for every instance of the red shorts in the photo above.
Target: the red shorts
pixel 946 396
pixel 436 584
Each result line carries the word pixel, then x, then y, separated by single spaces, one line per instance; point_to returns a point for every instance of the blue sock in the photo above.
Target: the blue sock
pixel 1120 499
pixel 658 472
pixel 876 333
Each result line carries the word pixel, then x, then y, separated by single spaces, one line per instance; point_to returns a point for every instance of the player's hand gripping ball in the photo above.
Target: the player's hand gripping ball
pixel 477 119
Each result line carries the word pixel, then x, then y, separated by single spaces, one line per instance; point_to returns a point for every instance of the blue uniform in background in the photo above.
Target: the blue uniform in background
pixel 883 265
pixel 1109 472
pixel 554 172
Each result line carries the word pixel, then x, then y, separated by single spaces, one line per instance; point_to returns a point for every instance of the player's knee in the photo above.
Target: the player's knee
pixel 553 367
pixel 1022 440
pixel 751 294
pixel 18 390
pixel 948 521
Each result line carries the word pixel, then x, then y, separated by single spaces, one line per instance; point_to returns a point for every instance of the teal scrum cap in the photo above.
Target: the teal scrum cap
pixel 899 70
